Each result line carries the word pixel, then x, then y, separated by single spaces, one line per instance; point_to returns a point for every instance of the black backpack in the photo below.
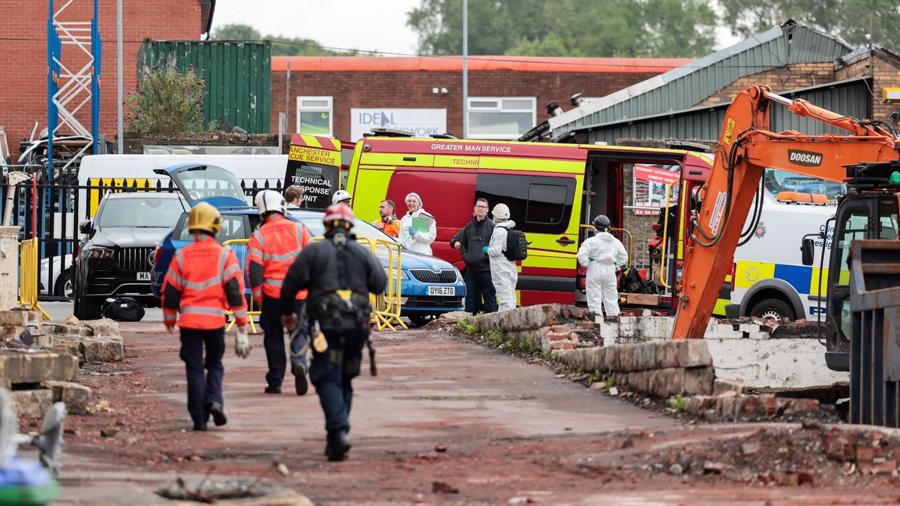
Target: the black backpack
pixel 516 245
pixel 123 309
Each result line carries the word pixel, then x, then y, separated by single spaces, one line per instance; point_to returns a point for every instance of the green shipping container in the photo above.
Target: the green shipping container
pixel 238 77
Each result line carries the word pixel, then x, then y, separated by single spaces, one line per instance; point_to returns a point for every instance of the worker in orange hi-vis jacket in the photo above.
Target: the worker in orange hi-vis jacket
pixel 203 281
pixel 271 252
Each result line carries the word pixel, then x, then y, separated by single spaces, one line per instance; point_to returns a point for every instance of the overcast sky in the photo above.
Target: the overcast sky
pixel 352 24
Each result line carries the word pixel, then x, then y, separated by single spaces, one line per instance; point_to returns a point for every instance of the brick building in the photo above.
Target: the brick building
pixel 345 96
pixel 23 52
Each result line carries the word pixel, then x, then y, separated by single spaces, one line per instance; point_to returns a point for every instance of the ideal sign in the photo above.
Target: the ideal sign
pixel 418 122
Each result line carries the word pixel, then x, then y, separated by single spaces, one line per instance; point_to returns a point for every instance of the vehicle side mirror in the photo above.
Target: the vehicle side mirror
pixel 85 226
pixel 808 251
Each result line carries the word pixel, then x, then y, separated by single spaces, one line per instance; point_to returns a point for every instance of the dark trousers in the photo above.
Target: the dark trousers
pixel 335 391
pixel 273 341
pixel 203 388
pixel 479 286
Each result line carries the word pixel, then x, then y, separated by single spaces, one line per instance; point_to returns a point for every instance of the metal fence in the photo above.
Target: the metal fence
pixel 875 333
pixel 51 213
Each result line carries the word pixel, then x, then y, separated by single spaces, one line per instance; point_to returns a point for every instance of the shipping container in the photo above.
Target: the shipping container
pixel 238 77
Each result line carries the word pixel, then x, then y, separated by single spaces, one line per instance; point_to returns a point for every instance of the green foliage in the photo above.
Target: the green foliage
pixel 677 403
pixel 167 102
pixel 281 46
pixel 610 382
pixel 494 337
pixel 595 377
pixel 567 27
pixel 849 19
pixel 467 325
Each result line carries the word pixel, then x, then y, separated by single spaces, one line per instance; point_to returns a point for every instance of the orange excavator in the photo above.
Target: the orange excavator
pixel 866 159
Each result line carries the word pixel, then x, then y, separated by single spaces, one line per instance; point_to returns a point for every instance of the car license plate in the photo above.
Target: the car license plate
pixel 143 276
pixel 441 290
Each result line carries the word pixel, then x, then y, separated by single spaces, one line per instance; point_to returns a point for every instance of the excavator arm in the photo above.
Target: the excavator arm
pixel 745 149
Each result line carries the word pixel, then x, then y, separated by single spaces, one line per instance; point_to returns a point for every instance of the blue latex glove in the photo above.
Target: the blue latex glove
pixel 484 250
pixel 412 230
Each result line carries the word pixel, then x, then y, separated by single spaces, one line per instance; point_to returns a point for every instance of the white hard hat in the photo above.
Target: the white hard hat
pixel 341 196
pixel 270 201
pixel 501 212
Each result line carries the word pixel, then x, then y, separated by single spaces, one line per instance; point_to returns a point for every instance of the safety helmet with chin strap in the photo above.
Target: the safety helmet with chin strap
pixel 338 216
pixel 270 201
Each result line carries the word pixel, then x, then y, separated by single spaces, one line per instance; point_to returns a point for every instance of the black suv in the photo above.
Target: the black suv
pixel 115 256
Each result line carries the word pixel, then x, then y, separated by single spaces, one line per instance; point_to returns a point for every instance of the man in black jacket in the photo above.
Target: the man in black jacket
pixel 339 274
pixel 471 242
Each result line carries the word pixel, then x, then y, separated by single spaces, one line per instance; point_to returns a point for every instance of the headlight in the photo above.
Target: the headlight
pixel 459 276
pixel 99 253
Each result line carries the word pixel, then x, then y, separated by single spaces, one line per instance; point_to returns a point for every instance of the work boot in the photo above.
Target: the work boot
pixel 612 319
pixel 338 446
pixel 273 390
pixel 218 414
pixel 301 385
pixel 200 427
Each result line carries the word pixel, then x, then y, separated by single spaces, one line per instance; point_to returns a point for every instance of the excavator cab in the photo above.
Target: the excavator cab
pixel 869 210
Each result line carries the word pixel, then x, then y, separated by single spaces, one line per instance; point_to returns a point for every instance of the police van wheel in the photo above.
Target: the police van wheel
pixel 773 308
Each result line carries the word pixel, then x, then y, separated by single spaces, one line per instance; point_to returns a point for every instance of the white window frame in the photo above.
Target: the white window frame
pixel 498 108
pixel 329 109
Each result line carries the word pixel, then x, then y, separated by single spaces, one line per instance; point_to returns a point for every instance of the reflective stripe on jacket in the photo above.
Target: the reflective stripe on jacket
pixel 203 281
pixel 271 252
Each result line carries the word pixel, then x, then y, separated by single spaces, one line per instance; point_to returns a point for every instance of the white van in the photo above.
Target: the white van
pixel 769 278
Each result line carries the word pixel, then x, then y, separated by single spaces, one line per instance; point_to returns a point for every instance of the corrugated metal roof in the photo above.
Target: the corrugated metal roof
pixel 690 84
pixel 849 97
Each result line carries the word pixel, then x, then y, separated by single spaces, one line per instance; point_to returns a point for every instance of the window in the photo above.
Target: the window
pixel 500 118
pixel 314 115
pixel 139 213
pixel 537 204
pixel 776 181
pixel 233 227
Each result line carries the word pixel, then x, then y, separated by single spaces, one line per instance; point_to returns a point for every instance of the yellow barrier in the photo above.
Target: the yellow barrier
pixel 242 261
pixel 29 285
pixel 625 233
pixel 386 306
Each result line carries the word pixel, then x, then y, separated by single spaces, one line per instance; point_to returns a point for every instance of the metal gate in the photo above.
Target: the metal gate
pixel 875 333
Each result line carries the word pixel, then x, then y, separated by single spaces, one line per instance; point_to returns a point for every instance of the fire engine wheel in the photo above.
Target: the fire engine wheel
pixel 773 308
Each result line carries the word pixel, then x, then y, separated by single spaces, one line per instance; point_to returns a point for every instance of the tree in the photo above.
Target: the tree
pixel 849 19
pixel 281 46
pixel 168 102
pixel 567 27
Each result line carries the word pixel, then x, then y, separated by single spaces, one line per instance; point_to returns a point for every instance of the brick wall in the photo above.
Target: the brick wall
pixel 402 89
pixel 887 73
pixel 23 54
pixel 781 79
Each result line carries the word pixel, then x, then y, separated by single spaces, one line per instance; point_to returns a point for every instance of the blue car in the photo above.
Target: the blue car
pixel 429 286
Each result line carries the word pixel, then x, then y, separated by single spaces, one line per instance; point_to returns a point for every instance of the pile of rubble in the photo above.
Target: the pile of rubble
pixel 805 454
pixel 40 361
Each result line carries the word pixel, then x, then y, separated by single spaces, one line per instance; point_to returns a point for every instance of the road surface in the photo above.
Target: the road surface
pixel 486 425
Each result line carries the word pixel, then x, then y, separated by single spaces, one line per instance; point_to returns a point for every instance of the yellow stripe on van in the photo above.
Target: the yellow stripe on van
pixel 397 160
pixel 747 274
pixel 814 282
pixel 533 164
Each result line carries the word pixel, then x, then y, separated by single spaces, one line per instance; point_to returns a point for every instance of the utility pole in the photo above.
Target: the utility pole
pixel 120 146
pixel 465 109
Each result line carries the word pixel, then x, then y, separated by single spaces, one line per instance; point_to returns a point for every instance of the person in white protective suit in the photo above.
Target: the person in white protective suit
pixel 601 254
pixel 503 270
pixel 412 237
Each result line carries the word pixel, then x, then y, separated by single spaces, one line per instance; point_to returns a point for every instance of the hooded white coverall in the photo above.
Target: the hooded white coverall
pixel 601 254
pixel 420 242
pixel 503 271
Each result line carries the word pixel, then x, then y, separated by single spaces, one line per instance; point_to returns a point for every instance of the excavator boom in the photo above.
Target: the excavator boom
pixel 746 147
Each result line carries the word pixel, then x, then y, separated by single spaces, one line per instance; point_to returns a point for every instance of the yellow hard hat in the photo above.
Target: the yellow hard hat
pixel 204 218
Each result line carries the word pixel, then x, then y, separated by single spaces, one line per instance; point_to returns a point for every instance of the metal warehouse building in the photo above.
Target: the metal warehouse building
pixel 690 102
